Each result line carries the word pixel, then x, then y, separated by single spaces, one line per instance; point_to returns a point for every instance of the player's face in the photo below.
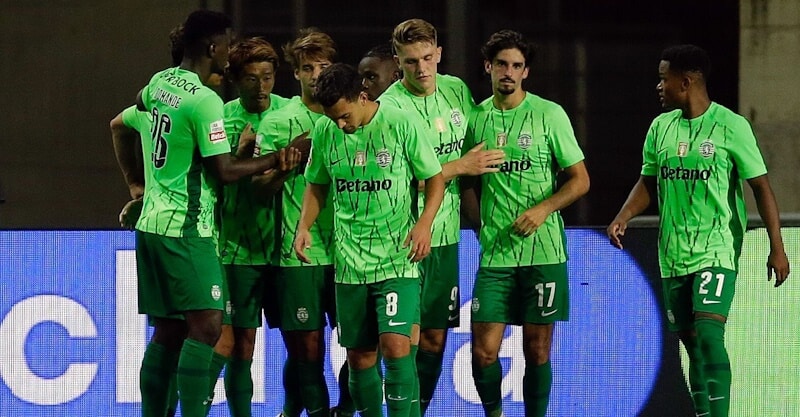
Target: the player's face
pixel 419 62
pixel 255 84
pixel 348 115
pixel 378 75
pixel 507 71
pixel 671 87
pixel 218 49
pixel 308 72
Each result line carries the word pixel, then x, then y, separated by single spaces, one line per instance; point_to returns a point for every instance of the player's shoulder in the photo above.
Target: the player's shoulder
pixel 233 108
pixel 450 81
pixel 667 117
pixel 541 104
pixel 278 102
pixel 726 117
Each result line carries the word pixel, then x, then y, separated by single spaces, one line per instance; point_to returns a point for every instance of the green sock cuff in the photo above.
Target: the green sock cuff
pixel 197 351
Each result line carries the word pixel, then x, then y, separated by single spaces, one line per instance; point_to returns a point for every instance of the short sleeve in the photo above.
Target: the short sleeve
pixel 562 139
pixel 209 127
pixel 745 153
pixel 649 161
pixel 316 170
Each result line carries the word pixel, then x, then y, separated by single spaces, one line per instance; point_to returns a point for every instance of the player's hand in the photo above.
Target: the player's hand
pixel 419 239
pixel 615 231
pixel 303 145
pixel 136 190
pixel 530 220
pixel 778 263
pixel 247 142
pixel 129 214
pixel 288 159
pixel 302 241
pixel 478 161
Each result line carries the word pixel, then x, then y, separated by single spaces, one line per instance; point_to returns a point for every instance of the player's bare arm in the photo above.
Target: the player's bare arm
pixel 128 151
pixel 247 142
pixel 419 239
pixel 270 183
pixel 638 200
pixel 314 199
pixel 574 188
pixel 777 261
pixel 228 169
pixel 476 161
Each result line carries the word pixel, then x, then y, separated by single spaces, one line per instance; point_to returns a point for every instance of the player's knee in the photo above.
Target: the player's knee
pixel 482 356
pixel 244 343
pixel 362 358
pixel 433 340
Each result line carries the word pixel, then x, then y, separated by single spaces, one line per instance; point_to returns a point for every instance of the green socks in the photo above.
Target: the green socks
pixel 536 388
pixel 194 366
pixel 697 382
pixel 487 383
pixel 292 401
pixel 400 385
pixel 716 365
pixel 239 387
pixel 313 389
pixel 158 368
pixel 416 406
pixel 429 368
pixel 365 387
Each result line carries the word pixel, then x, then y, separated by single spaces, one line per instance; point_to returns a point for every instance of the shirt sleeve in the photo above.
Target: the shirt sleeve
pixel 649 160
pixel 420 152
pixel 316 170
pixel 745 153
pixel 209 127
pixel 563 142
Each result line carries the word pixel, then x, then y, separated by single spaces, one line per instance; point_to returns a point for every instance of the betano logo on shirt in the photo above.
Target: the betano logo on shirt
pixel 511 166
pixel 363 186
pixel 685 174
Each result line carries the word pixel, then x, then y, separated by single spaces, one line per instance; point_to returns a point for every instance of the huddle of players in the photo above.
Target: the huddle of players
pixel 362 233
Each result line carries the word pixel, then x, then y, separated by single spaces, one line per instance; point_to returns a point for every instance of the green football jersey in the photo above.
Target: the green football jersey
pixel 445 114
pixel 370 173
pixel 187 126
pixel 699 165
pixel 142 122
pixel 538 140
pixel 247 231
pixel 275 132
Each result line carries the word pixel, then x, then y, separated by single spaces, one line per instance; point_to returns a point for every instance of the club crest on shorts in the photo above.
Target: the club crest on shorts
pixel 502 139
pixel 683 149
pixel 302 314
pixel 476 305
pixel 229 308
pixel 707 148
pixel 456 117
pixel 524 141
pixel 670 317
pixel 216 292
pixel 361 159
pixel 383 158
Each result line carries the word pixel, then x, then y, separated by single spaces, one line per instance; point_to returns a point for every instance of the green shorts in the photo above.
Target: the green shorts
pixel 305 297
pixel 271 299
pixel 177 275
pixel 439 301
pixel 246 290
pixel 709 290
pixel 365 311
pixel 537 294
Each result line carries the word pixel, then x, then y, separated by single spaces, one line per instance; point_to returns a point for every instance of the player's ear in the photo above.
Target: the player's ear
pixel 363 97
pixel 438 54
pixel 487 66
pixel 212 49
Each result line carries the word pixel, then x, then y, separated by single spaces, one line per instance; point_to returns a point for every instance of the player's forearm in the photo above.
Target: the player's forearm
pixel 768 210
pixel 434 194
pixel 313 201
pixel 234 169
pixel 266 186
pixel 638 199
pixel 125 150
pixel 452 170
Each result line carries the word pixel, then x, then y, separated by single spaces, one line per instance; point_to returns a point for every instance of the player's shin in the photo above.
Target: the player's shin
pixel 365 387
pixel 717 365
pixel 239 387
pixel 488 382
pixel 158 366
pixel 536 388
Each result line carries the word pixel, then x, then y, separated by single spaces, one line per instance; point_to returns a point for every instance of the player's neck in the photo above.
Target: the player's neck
pixel 508 101
pixel 370 111
pixel 312 104
pixel 696 106
pixel 255 107
pixel 417 92
pixel 200 67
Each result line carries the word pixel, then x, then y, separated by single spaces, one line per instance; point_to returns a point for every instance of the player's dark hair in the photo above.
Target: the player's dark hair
pixel 250 50
pixel 382 51
pixel 202 25
pixel 311 43
pixel 176 44
pixel 507 39
pixel 336 82
pixel 687 58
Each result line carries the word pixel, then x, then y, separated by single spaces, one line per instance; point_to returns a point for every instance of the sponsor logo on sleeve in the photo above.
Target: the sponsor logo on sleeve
pixel 216 132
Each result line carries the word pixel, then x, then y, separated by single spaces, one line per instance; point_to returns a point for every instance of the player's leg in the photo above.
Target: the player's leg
pixel 303 318
pixel 358 333
pixel 492 308
pixel 679 310
pixel 196 287
pixel 713 290
pixel 439 310
pixel 545 289
pixel 160 359
pixel 396 308
pixel 345 406
pixel 246 288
